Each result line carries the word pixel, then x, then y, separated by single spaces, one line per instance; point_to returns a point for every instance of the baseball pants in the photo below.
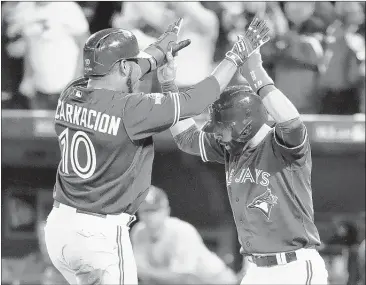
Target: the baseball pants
pixel 309 268
pixel 88 249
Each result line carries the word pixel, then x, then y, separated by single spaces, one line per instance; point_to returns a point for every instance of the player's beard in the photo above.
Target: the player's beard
pixel 129 81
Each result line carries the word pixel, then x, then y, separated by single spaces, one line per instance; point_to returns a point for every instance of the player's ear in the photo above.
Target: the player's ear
pixel 123 67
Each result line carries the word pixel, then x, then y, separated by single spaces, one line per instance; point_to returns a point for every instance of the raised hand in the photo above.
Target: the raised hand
pixel 167 72
pixel 175 27
pixel 167 42
pixel 254 37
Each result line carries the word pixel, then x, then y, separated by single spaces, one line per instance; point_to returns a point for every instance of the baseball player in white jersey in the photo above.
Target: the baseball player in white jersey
pixel 170 251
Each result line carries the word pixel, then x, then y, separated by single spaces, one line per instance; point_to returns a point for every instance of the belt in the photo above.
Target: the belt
pixel 57 204
pixel 274 259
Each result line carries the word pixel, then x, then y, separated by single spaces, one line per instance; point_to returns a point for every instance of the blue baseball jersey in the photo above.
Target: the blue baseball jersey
pixel 269 189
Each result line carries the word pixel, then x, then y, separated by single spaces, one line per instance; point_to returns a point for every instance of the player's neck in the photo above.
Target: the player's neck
pixel 259 136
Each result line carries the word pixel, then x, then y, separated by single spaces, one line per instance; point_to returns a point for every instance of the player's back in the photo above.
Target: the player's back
pixel 100 164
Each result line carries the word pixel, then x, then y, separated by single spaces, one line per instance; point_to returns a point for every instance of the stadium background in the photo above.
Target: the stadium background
pixel 196 190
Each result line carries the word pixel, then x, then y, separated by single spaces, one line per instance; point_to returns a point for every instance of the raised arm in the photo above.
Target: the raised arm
pixel 204 20
pixel 290 130
pixel 193 141
pixel 143 118
pixel 147 114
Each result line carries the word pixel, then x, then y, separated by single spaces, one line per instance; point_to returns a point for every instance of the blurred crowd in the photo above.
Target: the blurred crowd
pixel 344 252
pixel 316 54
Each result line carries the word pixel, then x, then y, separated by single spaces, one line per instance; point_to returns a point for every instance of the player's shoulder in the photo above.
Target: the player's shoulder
pixel 78 82
pixel 270 135
pixel 80 88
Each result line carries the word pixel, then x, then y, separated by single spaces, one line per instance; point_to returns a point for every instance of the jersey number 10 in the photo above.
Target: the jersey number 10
pixel 72 153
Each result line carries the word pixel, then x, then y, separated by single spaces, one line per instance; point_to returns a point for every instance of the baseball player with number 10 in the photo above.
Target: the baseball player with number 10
pixel 105 130
pixel 268 173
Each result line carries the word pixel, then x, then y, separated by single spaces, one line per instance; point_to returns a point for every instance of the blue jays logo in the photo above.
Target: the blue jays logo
pixel 264 203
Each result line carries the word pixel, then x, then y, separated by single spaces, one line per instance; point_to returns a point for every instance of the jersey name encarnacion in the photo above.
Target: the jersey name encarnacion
pixel 88 118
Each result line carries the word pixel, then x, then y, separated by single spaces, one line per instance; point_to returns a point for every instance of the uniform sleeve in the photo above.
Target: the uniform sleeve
pixel 147 114
pixel 196 142
pixel 292 142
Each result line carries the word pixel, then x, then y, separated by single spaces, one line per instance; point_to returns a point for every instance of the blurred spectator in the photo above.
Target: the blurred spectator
pixel 49 36
pixel 316 52
pixel 362 89
pixel 171 251
pixel 278 22
pixel 310 17
pixel 341 86
pixel 89 10
pixel 10 80
pixel 103 13
pixel 347 235
pixel 298 59
pixel 222 43
pixel 238 15
pixel 361 260
pixel 136 17
pixel 201 26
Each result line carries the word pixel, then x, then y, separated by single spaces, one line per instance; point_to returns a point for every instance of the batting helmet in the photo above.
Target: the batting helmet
pixel 105 48
pixel 155 200
pixel 239 109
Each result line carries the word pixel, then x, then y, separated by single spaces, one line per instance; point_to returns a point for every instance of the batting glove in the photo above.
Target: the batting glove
pixel 255 36
pixel 166 42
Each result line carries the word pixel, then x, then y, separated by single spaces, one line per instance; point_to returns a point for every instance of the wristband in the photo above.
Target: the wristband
pixel 156 56
pixel 146 65
pixel 169 86
pixel 253 71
